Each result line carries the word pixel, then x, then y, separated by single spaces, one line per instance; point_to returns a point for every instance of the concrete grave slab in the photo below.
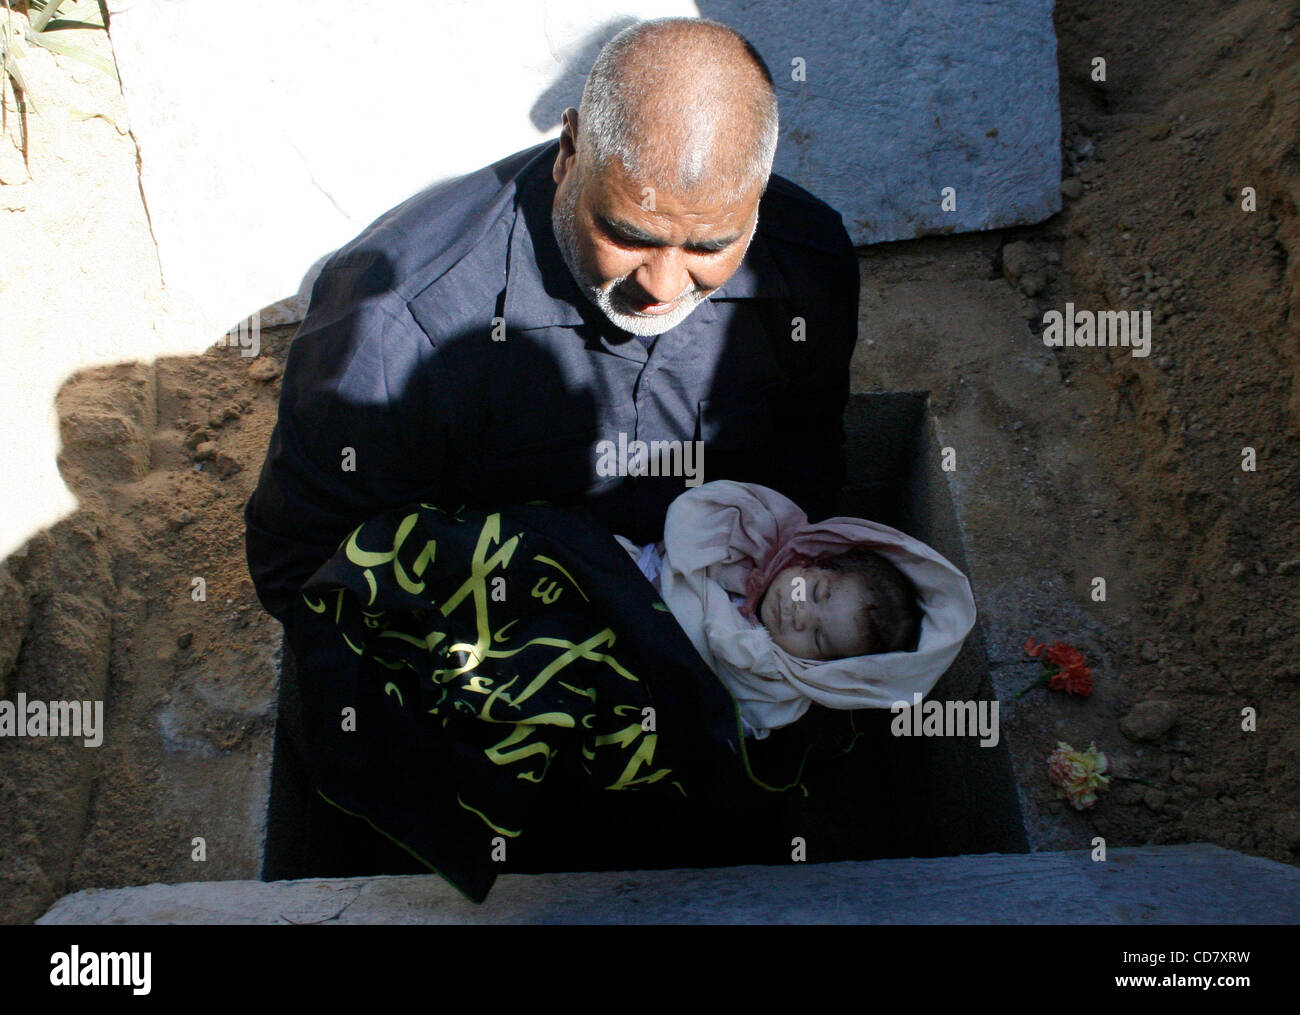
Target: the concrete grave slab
pixel 1193 884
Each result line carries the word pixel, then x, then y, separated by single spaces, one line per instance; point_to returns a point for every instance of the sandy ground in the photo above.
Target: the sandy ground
pixel 1175 137
pixel 1134 471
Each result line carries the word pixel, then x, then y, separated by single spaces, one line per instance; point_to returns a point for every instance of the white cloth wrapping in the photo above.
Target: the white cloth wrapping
pixel 727 537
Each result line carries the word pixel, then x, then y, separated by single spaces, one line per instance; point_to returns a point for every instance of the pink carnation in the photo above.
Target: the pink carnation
pixel 1078 775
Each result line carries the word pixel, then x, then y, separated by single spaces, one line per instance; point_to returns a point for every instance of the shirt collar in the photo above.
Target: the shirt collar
pixel 541 292
pixel 758 277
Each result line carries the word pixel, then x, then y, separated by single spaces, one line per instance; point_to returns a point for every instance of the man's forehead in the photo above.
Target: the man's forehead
pixel 651 206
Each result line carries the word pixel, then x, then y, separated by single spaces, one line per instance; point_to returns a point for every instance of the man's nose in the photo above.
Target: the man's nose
pixel 799 616
pixel 663 274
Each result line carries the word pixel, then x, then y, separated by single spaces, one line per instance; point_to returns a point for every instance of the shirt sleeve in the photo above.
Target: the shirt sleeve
pixel 354 434
pixel 810 461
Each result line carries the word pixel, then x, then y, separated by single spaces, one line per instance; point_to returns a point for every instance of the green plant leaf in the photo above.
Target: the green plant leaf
pixel 5 31
pixel 16 74
pixel 57 45
pixel 63 25
pixel 84 14
pixel 22 101
pixel 83 114
pixel 11 75
pixel 4 66
pixel 42 18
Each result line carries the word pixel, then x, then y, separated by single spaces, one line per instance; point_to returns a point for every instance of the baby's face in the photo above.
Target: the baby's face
pixel 814 613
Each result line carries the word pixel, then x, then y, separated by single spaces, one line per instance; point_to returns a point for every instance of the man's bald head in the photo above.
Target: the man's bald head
pixel 659 175
pixel 681 103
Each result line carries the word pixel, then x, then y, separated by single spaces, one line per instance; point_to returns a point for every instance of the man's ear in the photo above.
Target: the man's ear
pixel 566 158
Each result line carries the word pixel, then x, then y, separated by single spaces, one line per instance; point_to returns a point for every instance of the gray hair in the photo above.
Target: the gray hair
pixel 618 109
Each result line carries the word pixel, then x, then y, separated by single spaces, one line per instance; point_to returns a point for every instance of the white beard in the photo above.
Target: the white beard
pixel 609 297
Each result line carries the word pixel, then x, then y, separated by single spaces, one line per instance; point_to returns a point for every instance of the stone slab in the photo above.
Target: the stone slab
pixel 1191 884
pixel 270 134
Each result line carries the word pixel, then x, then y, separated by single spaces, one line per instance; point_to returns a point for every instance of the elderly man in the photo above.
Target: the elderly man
pixel 641 279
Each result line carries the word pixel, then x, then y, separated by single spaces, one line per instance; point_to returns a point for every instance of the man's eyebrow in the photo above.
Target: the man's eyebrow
pixel 628 231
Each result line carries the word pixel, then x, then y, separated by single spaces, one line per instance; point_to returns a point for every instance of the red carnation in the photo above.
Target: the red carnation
pixel 1075 680
pixel 1063 655
pixel 1064 667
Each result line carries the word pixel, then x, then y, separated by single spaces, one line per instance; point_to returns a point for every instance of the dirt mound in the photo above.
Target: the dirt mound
pixel 142 599
pixel 1201 101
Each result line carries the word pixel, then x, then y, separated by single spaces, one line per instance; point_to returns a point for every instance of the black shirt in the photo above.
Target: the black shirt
pixel 448 355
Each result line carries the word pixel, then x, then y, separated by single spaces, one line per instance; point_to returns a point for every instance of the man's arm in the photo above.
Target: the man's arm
pixel 354 433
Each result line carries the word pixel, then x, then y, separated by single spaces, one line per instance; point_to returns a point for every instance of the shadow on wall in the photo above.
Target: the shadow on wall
pixel 566 89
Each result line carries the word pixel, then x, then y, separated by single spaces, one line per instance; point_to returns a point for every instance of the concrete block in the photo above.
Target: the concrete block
pixel 1194 884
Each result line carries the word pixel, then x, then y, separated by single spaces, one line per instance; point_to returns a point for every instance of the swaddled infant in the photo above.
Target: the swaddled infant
pixel 853 604
pixel 844 612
